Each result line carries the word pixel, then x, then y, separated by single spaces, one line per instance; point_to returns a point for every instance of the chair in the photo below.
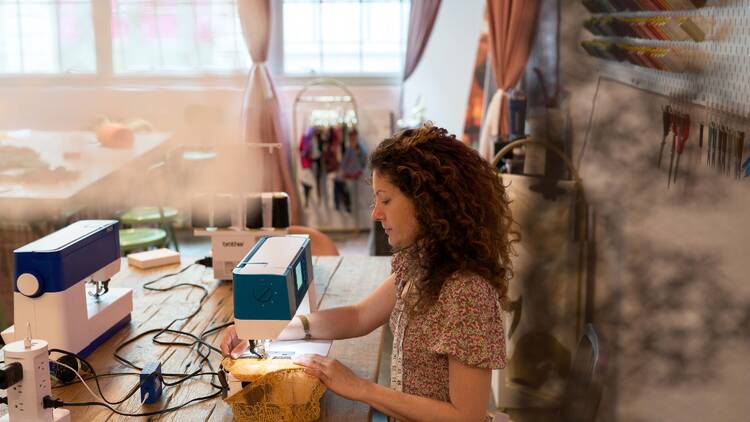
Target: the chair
pixel 133 237
pixel 322 244
pixel 583 391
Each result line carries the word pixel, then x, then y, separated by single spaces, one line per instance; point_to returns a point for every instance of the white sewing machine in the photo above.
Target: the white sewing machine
pixel 50 287
pixel 235 222
pixel 271 284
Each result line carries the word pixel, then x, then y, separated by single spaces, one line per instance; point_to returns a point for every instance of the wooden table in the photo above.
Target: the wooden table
pixel 338 280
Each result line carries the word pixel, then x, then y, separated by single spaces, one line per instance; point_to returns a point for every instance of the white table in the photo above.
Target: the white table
pixel 92 164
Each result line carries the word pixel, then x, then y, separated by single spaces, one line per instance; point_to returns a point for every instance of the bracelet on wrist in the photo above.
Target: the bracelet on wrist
pixel 305 326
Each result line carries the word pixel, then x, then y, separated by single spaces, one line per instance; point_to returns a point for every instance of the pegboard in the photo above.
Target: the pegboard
pixel 723 84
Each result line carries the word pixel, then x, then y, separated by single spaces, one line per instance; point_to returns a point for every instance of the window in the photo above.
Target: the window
pixel 150 36
pixel 143 36
pixel 46 37
pixel 344 36
pixel 193 37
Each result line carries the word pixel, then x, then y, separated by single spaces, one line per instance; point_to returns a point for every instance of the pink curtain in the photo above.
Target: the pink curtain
pixel 421 19
pixel 512 24
pixel 261 113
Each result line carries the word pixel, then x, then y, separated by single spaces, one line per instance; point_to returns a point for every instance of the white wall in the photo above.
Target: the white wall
pixel 443 76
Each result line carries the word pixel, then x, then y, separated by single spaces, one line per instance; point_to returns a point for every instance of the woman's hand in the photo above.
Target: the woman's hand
pixel 231 345
pixel 336 376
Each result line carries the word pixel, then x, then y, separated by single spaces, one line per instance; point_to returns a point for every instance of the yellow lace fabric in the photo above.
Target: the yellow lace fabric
pixel 278 391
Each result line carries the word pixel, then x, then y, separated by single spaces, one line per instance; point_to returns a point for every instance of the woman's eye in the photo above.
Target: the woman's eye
pixel 386 201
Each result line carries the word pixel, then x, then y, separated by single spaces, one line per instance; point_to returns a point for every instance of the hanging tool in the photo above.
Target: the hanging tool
pixel 723 135
pixel 723 138
pixel 726 151
pixel 711 141
pixel 666 118
pixel 717 141
pixel 740 153
pixel 717 151
pixel 676 126
pixel 684 133
pixel 697 156
pixel 732 149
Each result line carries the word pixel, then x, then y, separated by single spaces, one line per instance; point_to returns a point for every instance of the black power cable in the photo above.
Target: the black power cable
pixel 96 378
pixel 197 340
pixel 168 329
pixel 50 402
pixel 63 384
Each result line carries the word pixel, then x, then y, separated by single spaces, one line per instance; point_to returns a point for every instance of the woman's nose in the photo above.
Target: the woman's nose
pixel 376 214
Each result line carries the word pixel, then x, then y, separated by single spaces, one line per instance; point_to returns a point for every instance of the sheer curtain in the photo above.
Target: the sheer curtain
pixel 261 113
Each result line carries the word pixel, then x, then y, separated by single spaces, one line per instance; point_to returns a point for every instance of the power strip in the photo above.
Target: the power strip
pixel 25 397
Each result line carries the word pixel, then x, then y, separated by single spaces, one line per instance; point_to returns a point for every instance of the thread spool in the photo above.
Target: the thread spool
pixel 280 211
pixel 223 205
pixel 253 212
pixel 200 209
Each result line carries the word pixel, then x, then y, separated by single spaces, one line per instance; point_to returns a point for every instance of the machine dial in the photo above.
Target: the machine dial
pixel 28 284
pixel 263 294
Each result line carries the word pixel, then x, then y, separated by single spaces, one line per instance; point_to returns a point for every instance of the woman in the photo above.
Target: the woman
pixel 446 215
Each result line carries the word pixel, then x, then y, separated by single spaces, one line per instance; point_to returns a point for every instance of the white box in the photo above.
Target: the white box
pixel 155 258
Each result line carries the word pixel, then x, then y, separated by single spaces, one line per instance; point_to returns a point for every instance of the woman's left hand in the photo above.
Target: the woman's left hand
pixel 335 375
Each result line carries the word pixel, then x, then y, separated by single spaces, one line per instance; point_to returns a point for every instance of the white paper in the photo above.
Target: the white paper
pixel 288 348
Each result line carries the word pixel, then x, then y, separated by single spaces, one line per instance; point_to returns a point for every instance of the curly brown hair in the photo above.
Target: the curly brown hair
pixel 461 207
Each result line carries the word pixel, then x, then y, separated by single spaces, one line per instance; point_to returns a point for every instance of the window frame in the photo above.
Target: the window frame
pixel 104 76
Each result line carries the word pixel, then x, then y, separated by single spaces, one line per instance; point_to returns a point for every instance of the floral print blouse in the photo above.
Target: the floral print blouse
pixel 465 322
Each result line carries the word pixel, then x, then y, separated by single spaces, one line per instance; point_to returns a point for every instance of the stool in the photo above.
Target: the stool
pixel 159 217
pixel 141 238
pixel 139 216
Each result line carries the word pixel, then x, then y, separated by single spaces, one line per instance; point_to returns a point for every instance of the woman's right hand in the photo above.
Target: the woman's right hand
pixel 231 345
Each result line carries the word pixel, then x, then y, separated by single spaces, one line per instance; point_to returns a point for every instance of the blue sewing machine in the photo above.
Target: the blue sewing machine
pixel 271 284
pixel 50 291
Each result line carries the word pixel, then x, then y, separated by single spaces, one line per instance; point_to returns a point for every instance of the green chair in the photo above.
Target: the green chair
pixel 133 239
pixel 146 226
pixel 143 237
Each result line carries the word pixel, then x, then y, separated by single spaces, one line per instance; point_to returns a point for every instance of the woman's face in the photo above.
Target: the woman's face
pixel 395 212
